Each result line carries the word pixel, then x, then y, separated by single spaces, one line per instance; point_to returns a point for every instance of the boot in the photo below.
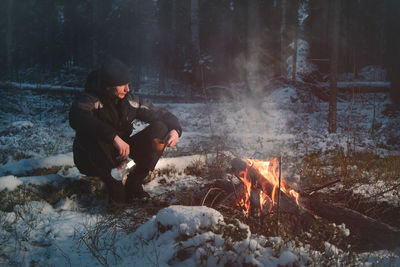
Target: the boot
pixel 133 187
pixel 140 193
pixel 116 191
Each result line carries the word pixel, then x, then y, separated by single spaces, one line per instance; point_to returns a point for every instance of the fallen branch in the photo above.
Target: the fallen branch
pixel 371 233
pixel 381 193
pixel 323 186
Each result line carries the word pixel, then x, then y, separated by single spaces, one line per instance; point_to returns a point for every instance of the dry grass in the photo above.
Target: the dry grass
pixel 88 189
pixel 358 167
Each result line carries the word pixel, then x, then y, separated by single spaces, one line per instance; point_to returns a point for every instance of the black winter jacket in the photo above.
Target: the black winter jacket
pixel 98 117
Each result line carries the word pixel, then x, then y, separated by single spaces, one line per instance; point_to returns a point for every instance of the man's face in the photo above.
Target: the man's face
pixel 121 90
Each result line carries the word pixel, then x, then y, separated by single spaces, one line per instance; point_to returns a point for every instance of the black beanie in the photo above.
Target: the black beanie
pixel 114 72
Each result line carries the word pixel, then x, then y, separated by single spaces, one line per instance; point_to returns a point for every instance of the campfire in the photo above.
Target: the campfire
pixel 262 186
pixel 264 192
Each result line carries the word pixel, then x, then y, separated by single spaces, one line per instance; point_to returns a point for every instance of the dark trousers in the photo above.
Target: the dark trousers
pixel 145 151
pixel 96 158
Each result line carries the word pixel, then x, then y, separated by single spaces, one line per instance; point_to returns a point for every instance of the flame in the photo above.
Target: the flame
pixel 243 175
pixel 269 171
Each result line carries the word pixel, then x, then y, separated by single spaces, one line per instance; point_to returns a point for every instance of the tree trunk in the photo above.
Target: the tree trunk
pixel 195 40
pixel 334 66
pixel 295 44
pixel 183 43
pixel 239 36
pixel 283 39
pixel 392 57
pixel 253 46
pixel 173 39
pixel 382 36
pixel 224 49
pixel 9 37
pixel 194 12
pixel 165 25
pixel 94 33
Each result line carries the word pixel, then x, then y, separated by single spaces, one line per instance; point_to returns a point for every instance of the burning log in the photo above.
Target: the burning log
pixel 367 233
pixel 262 188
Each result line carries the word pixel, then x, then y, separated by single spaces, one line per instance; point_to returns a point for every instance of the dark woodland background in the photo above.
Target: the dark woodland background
pixel 191 40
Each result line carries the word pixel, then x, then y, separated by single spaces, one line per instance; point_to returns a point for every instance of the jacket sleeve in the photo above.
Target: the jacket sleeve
pixel 83 120
pixel 148 112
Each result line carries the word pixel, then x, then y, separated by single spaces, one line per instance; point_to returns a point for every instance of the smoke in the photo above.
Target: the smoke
pixel 257 67
pixel 254 125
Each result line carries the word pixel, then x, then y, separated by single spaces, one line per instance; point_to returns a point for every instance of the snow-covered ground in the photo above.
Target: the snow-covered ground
pixel 286 121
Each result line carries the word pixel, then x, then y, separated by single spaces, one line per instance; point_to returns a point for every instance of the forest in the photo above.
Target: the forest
pixel 197 41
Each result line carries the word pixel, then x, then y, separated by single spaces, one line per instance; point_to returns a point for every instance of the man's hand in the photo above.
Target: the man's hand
pixel 123 148
pixel 172 138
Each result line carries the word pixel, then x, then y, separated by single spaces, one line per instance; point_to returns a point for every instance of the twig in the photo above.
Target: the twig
pixel 94 251
pixel 349 122
pixel 225 198
pixel 208 192
pixel 370 209
pixel 225 207
pixel 358 122
pixel 323 186
pixel 381 193
pixel 215 198
pixel 63 254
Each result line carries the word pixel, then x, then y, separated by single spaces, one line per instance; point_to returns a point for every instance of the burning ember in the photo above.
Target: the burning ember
pixel 263 191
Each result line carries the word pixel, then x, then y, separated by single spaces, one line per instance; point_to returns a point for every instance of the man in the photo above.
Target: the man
pixel 102 117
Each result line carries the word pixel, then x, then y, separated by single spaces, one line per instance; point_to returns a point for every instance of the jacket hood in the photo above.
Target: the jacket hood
pixel 114 72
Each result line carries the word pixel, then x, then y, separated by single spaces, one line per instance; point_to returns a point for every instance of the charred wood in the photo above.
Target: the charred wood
pixel 287 204
pixel 369 233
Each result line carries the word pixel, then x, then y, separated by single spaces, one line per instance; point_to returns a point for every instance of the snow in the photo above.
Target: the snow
pixel 354 84
pixel 22 124
pixel 201 229
pixel 51 87
pixel 188 220
pixel 283 121
pixel 27 165
pixel 67 204
pixel 42 179
pixel 370 190
pixel 9 182
pixel 367 74
pixel 287 258
pixel 43 235
pixel 179 183
pixel 179 163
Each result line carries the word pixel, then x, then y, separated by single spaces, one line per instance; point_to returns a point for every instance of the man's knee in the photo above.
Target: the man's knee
pixel 158 129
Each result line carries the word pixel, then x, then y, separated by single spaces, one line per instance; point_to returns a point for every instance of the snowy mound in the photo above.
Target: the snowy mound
pixel 9 182
pixel 198 236
pixel 188 220
pixel 26 165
